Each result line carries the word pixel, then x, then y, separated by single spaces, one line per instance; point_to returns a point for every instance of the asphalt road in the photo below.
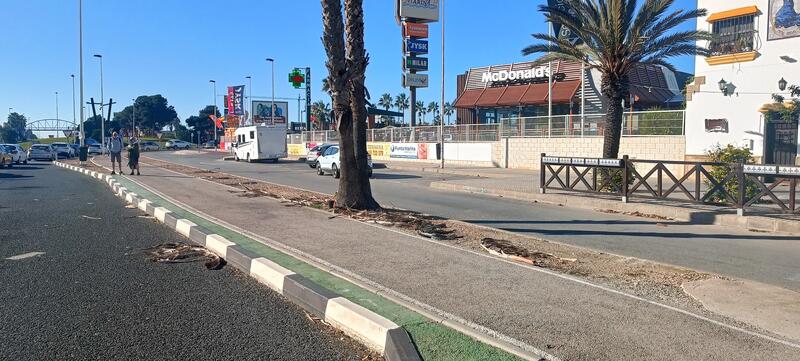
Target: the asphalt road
pixel 94 294
pixel 761 257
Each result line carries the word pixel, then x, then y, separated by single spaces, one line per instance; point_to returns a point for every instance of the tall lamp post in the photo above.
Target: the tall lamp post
pixel 250 97
pixel 214 86
pixel 74 121
pixel 441 114
pixel 134 118
pixel 57 124
pixel 80 62
pixel 102 120
pixel 272 106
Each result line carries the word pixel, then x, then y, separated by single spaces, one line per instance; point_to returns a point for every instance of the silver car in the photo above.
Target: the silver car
pixel 63 150
pixel 42 152
pixel 18 154
pixel 149 145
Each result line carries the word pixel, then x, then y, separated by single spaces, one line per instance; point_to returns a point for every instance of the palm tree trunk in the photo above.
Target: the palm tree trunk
pixel 615 91
pixel 354 187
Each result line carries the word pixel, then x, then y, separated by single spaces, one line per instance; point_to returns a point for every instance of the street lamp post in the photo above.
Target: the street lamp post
pixel 272 106
pixel 441 114
pixel 250 97
pixel 214 85
pixel 102 121
pixel 134 118
pixel 73 100
pixel 80 62
pixel 57 124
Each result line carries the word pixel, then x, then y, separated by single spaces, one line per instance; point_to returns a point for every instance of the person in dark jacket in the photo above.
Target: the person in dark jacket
pixel 133 156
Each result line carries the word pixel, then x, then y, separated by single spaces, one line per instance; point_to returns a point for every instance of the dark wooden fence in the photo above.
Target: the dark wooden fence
pixel 728 184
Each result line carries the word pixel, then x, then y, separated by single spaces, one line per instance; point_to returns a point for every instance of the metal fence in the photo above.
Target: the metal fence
pixel 729 184
pixel 650 123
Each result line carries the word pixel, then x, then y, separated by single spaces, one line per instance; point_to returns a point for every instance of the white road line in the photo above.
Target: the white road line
pixel 24 256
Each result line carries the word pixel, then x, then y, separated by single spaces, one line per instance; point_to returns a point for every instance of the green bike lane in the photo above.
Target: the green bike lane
pixel 563 316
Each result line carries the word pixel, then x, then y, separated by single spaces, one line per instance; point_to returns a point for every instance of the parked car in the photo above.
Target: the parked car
pixel 316 152
pixel 63 150
pixel 76 149
pixel 42 152
pixel 149 145
pixel 210 145
pixel 95 148
pixel 18 154
pixel 177 144
pixel 329 162
pixel 5 157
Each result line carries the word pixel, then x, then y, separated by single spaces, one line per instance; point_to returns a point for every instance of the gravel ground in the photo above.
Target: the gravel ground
pixel 94 294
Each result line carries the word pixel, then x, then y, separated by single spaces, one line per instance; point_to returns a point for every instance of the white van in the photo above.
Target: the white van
pixel 259 142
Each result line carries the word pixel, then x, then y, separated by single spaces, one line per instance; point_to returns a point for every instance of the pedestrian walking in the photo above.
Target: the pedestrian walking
pixel 115 149
pixel 133 156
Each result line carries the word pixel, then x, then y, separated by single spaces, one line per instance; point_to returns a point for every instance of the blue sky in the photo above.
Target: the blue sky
pixel 173 47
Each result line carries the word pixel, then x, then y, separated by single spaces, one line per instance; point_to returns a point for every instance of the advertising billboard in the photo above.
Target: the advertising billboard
pixel 262 114
pixel 415 80
pixel 416 63
pixel 423 10
pixel 415 30
pixel 236 100
pixel 416 46
pixel 784 19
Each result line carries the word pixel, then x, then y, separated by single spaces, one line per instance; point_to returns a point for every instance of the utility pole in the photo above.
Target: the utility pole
pixel 57 123
pixel 272 106
pixel 102 120
pixel 134 118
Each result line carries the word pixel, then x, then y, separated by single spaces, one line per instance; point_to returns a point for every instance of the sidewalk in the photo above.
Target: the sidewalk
pixel 523 185
pixel 566 318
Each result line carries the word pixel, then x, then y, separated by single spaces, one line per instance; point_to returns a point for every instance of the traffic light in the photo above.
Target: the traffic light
pixel 297 78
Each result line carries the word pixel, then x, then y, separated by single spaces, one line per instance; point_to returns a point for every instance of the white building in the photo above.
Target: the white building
pixel 757 44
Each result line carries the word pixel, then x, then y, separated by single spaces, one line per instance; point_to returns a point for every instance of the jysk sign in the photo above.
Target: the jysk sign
pixel 415 63
pixel 416 46
pixel 415 80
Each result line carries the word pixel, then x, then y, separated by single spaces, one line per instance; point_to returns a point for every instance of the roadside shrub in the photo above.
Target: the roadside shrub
pixel 730 154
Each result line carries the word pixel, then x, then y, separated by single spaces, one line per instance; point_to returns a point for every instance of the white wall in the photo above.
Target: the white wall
pixel 759 76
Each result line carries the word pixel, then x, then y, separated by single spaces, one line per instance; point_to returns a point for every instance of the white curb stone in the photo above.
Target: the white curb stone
pixel 358 321
pixel 218 244
pixel 184 226
pixel 143 204
pixel 269 273
pixel 160 212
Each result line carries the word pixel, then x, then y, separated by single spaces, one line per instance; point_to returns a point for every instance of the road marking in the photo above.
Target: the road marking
pixel 24 256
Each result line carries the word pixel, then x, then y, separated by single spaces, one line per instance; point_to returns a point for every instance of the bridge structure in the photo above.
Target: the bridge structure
pixel 60 126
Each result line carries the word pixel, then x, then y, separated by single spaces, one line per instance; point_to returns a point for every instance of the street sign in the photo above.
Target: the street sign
pixel 416 46
pixel 415 63
pixel 415 30
pixel 415 80
pixel 421 10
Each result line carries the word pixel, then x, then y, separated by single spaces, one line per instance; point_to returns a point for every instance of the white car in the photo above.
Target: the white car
pixel 63 150
pixel 18 154
pixel 328 162
pixel 149 145
pixel 94 149
pixel 177 144
pixel 42 152
pixel 316 152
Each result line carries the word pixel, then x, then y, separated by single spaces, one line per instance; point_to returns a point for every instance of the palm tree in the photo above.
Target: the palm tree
pixel 421 110
pixel 614 38
pixel 448 111
pixel 326 86
pixel 433 108
pixel 385 102
pixel 346 76
pixel 321 111
pixel 401 103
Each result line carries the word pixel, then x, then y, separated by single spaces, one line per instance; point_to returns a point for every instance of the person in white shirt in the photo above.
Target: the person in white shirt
pixel 115 148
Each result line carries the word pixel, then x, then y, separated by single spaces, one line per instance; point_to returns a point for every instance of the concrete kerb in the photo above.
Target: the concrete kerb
pixel 370 328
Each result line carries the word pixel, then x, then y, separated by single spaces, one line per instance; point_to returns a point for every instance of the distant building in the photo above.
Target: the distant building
pixel 757 43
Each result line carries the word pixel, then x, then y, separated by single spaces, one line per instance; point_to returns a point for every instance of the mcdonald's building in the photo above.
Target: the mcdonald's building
pixel 488 94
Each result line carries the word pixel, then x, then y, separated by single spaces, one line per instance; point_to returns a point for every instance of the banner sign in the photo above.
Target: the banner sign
pixel 415 80
pixel 379 149
pixel 403 150
pixel 263 115
pixel 416 46
pixel 236 99
pixel 415 63
pixel 425 10
pixel 415 30
pixel 560 31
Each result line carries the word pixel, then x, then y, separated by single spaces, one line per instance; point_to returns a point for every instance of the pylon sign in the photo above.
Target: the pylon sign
pixel 297 78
